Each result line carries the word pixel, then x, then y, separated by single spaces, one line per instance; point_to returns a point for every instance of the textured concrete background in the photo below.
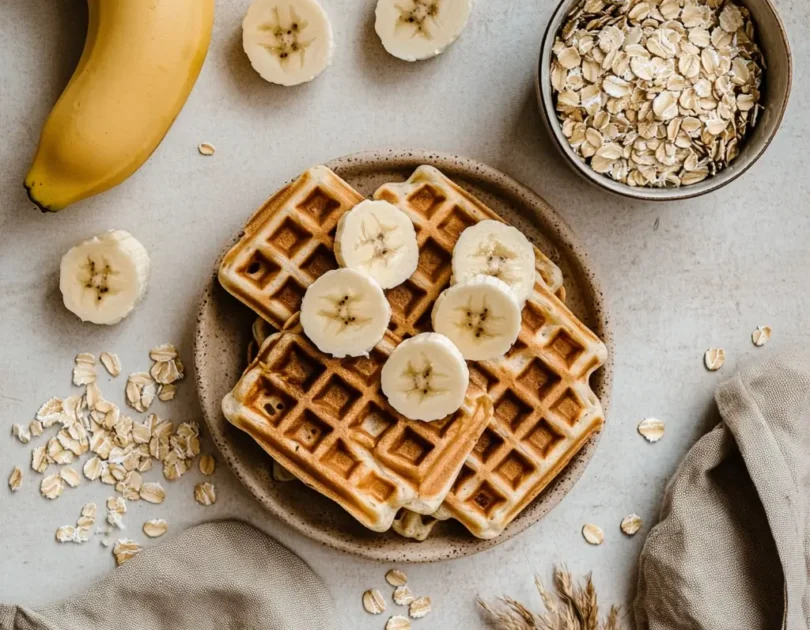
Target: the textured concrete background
pixel 679 277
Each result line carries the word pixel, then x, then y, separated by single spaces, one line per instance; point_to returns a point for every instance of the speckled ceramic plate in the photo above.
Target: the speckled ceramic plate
pixel 223 333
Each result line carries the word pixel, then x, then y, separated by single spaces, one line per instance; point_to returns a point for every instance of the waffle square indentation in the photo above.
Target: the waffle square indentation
pixel 426 199
pixel 290 295
pixel 289 238
pixel 511 410
pixel 319 262
pixel 298 369
pixel 543 438
pixel 340 459
pixel 377 487
pixel 434 261
pixel 337 396
pixel 565 347
pixel 273 402
pixel 405 298
pixel 481 377
pixel 260 269
pixel 514 469
pixel 568 407
pixel 319 205
pixel 533 317
pixel 456 222
pixel 372 423
pixel 538 377
pixel 486 499
pixel 487 445
pixel 411 447
pixel 308 431
pixel 367 368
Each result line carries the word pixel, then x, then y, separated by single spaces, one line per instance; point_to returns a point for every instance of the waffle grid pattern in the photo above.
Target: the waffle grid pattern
pixel 327 421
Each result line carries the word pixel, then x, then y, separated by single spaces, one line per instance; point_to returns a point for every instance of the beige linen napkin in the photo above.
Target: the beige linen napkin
pixel 218 576
pixel 732 549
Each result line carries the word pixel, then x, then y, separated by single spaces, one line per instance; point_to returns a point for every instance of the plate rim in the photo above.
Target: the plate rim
pixel 577 258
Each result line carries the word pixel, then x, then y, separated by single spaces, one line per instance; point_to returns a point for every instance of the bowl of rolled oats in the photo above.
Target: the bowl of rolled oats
pixel 663 99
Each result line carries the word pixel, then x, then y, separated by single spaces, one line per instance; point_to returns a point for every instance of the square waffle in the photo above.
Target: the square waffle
pixel 327 421
pixel 289 243
pixel 545 410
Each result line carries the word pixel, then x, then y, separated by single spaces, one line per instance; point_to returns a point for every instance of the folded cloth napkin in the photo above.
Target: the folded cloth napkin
pixel 218 575
pixel 732 549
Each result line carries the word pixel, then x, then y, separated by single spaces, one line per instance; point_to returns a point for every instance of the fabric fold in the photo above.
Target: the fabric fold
pixel 217 575
pixel 731 549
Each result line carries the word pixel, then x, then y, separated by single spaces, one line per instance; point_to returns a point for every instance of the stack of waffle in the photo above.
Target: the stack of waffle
pixel 326 421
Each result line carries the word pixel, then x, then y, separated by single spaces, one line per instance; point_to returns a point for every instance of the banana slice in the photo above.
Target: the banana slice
pixel 287 41
pixel 345 313
pixel 379 239
pixel 419 29
pixel 481 316
pixel 425 378
pixel 495 249
pixel 103 278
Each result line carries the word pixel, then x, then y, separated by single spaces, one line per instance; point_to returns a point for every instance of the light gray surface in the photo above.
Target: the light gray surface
pixel 679 277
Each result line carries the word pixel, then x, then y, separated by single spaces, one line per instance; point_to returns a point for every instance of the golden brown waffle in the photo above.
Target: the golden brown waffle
pixel 545 410
pixel 289 242
pixel 326 421
pixel 287 245
pixel 440 211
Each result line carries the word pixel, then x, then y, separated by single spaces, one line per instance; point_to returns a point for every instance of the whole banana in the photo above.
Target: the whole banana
pixel 140 61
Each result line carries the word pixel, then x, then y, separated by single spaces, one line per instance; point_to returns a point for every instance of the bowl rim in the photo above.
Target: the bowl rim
pixel 546 106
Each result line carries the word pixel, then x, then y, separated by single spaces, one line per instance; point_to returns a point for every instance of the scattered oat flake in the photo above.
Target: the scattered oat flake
pixel 398 622
pixel 141 391
pixel 117 505
pixel 395 577
pixel 167 392
pixel 373 601
pixel 36 428
pixel 111 363
pixel 593 534
pixel 39 459
pixel 52 487
pixel 90 510
pixel 93 468
pixel 403 595
pixel 631 524
pixel 21 433
pixel 205 493
pixel 419 607
pixel 66 533
pixel 651 429
pixel 714 359
pixel 163 352
pixel 761 335
pixel 207 464
pixel 50 411
pixel 15 479
pixel 206 148
pixel 153 492
pixel 70 476
pixel 155 527
pixel 84 374
pixel 125 549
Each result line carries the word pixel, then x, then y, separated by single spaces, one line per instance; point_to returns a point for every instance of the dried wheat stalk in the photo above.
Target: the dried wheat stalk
pixel 570 607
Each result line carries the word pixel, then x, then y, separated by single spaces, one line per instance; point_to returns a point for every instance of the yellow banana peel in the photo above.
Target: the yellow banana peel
pixel 140 61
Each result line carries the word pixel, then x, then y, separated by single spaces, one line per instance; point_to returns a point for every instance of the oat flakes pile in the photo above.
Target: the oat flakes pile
pixel 95 440
pixel 657 93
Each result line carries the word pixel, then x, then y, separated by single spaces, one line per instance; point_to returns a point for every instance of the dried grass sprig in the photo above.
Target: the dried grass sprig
pixel 570 607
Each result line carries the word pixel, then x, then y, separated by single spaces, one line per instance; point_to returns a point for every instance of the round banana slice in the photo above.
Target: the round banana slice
pixel 419 29
pixel 379 239
pixel 287 41
pixel 425 378
pixel 103 278
pixel 481 316
pixel 495 249
pixel 345 313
